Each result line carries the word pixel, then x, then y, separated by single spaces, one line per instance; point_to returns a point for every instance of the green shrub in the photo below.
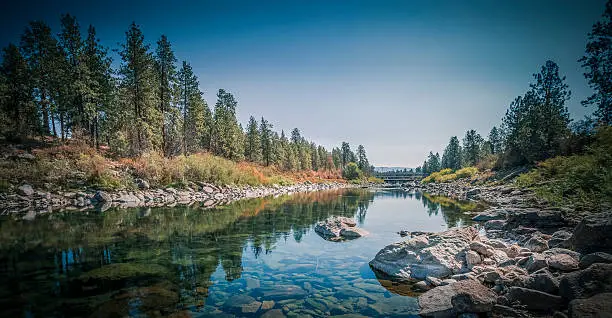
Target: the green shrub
pixel 446 175
pixel 466 172
pixel 351 171
pixel 585 179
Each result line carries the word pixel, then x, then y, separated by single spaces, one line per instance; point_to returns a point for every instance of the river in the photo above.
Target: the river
pixel 252 258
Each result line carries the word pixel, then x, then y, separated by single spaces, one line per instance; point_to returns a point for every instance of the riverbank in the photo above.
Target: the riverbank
pixel 525 259
pixel 32 201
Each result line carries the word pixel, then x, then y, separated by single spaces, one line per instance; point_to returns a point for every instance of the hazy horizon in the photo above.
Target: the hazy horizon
pixel 398 77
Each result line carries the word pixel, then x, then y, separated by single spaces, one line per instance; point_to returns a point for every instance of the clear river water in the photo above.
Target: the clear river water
pixel 257 257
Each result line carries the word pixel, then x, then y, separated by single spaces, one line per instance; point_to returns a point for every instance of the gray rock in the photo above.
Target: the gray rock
pixel 472 297
pixel 536 262
pixel 560 239
pixel 585 283
pixel 25 190
pixel 338 228
pixel 437 302
pixel 598 257
pixel 491 214
pixel 534 299
pixel 537 244
pixel 102 197
pixel 543 281
pixel 481 248
pixel 472 258
pixel 562 262
pixel 458 297
pixel 545 220
pixel 598 306
pixel 593 234
pixel 437 255
pixel 497 244
pixel 278 292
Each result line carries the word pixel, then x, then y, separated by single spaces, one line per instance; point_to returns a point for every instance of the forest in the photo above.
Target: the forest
pixel 63 88
pixel 572 159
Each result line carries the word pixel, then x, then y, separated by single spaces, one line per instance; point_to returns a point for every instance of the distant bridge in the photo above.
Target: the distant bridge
pixel 401 178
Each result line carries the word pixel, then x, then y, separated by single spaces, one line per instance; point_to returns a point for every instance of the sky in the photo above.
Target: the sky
pixel 399 77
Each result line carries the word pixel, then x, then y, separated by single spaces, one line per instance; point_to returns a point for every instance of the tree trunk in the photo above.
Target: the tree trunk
pixel 62 126
pixel 45 113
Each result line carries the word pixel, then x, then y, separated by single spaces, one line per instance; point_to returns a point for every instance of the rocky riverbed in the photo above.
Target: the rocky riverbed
pixel 524 259
pixel 32 201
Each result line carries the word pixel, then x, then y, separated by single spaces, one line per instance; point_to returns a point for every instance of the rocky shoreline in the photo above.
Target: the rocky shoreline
pixel 33 201
pixel 523 259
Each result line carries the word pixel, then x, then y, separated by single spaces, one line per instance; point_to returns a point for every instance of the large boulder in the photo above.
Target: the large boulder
pixel 533 299
pixel 560 239
pixel 593 234
pixel 467 296
pixel 543 281
pixel 339 228
pixel 437 255
pixel 598 257
pixel 594 307
pixel 546 220
pixel 585 283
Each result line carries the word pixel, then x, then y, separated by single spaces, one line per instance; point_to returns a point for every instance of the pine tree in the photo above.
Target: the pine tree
pixel 267 141
pixel 192 107
pixel 597 61
pixel 472 144
pixel 165 63
pixel 451 158
pixel 253 145
pixel 495 140
pixel 78 80
pixel 346 154
pixel 228 138
pixel 39 48
pixel 337 157
pixel 362 159
pixel 18 113
pixel 101 85
pixel 536 124
pixel 137 89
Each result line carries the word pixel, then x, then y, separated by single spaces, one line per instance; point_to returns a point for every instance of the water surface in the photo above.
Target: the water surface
pixel 252 258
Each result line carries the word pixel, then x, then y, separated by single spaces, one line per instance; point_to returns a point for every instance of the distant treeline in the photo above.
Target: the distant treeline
pixel 536 125
pixel 64 86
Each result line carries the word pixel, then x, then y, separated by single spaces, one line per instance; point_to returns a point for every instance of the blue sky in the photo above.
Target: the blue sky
pixel 399 77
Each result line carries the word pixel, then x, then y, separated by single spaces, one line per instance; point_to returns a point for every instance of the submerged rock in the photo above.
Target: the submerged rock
pixel 338 228
pixel 436 255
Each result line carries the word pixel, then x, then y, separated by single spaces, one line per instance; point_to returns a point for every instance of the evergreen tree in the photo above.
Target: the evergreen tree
pixel 337 157
pixel 165 63
pixel 346 154
pixel 253 146
pixel 472 145
pixel 227 135
pixel 536 124
pixel 39 48
pixel 362 160
pixel 192 107
pixel 78 83
pixel 101 85
pixel 451 158
pixel 18 113
pixel 137 89
pixel 597 61
pixel 496 140
pixel 267 141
